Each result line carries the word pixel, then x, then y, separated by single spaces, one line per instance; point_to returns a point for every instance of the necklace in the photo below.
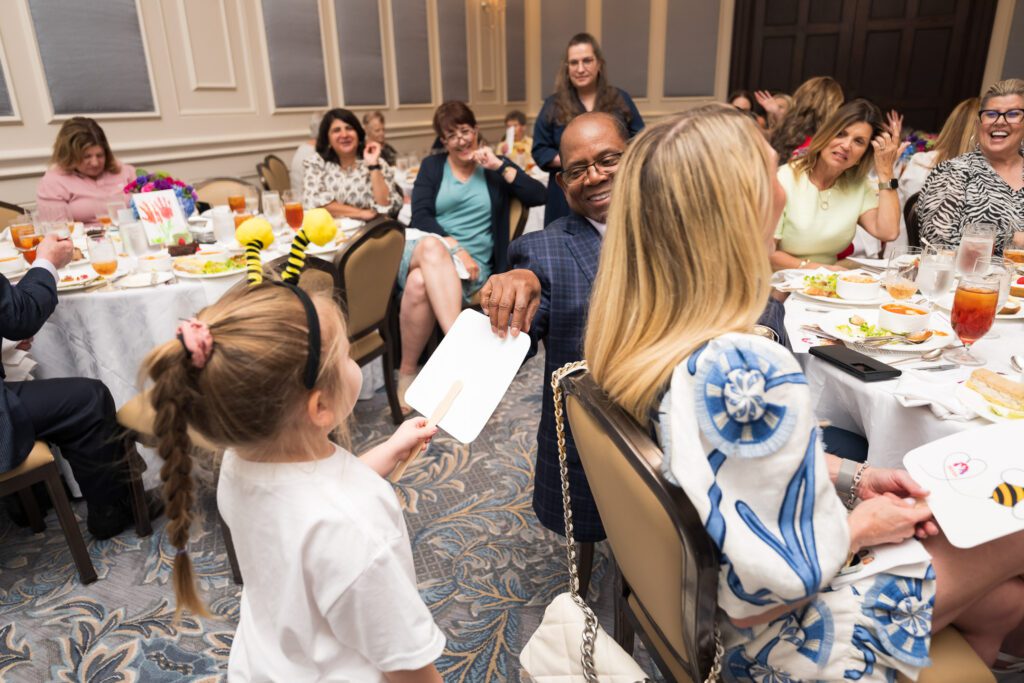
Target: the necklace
pixel 823 198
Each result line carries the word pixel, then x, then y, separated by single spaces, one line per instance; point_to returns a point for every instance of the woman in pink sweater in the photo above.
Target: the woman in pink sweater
pixel 84 176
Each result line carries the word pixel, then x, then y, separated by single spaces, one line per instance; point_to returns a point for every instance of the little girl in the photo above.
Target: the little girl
pixel 330 588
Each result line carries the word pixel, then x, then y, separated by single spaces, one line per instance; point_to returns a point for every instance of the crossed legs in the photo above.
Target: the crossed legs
pixel 433 294
pixel 981 592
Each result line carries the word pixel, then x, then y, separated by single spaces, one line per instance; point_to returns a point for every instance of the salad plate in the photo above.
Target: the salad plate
pixel 839 324
pixel 821 286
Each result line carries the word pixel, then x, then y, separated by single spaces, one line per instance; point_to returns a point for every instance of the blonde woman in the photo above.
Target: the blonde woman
pixel 828 193
pixel 736 423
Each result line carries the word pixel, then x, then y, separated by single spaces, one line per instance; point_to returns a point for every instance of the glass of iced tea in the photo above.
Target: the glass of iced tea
pixel 26 238
pixel 974 310
pixel 241 217
pixel 292 209
pixel 900 278
pixel 236 202
pixel 102 255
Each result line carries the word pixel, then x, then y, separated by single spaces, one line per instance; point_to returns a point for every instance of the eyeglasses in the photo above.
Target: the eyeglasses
pixel 1010 116
pixel 604 166
pixel 586 61
pixel 459 134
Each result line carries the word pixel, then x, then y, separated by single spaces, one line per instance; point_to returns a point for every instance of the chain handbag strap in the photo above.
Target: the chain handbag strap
pixel 590 619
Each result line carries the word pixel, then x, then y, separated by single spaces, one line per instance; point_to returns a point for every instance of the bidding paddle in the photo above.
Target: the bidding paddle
pixel 435 417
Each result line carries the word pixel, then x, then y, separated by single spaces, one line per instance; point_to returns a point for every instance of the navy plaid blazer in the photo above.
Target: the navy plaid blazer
pixel 564 256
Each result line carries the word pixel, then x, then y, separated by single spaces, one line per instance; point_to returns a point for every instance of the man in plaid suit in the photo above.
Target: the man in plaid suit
pixel 546 293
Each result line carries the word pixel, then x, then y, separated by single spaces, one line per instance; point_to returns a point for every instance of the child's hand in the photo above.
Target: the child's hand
pixel 409 435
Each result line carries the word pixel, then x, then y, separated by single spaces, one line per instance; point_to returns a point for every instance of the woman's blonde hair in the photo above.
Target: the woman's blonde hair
pixel 77 135
pixel 959 132
pixel 857 111
pixel 813 102
pixel 1004 88
pixel 250 395
pixel 685 258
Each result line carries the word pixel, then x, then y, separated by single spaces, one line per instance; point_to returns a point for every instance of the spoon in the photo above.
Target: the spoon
pixel 1017 362
pixel 926 356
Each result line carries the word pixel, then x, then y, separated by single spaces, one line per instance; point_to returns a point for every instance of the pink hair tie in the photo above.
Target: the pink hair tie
pixel 197 341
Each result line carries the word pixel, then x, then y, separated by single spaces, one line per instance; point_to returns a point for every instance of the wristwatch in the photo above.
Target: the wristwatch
pixel 891 185
pixel 373 167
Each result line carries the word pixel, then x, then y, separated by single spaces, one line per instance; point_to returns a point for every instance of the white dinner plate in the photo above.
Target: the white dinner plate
pixel 832 321
pixel 946 302
pixel 208 276
pixel 81 281
pixel 145 279
pixel 836 301
pixel 977 403
pixel 16 276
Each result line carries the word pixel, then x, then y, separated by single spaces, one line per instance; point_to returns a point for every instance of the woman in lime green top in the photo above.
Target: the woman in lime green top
pixel 828 193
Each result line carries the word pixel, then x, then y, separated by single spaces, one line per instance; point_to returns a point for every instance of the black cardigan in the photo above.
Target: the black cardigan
pixel 428 183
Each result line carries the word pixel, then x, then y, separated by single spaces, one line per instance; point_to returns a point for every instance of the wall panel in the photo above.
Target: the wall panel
pixel 451 24
pixel 362 62
pixel 1013 65
pixel 625 27
pixel 6 103
pixel 515 50
pixel 86 74
pixel 560 21
pixel 412 50
pixel 207 44
pixel 295 52
pixel 692 28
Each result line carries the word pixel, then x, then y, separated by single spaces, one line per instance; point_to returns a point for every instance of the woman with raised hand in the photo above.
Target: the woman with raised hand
pixel 683 278
pixel 581 85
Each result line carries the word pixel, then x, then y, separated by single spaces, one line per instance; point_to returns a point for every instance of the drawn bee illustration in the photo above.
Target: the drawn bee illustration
pixel 1010 492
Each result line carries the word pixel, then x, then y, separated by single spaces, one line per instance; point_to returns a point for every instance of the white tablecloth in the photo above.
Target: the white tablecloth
pixel 870 408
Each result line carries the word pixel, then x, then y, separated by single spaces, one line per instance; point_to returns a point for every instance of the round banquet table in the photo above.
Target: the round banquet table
pixel 872 408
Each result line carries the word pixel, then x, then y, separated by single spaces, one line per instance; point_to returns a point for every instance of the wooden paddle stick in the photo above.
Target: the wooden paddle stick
pixel 435 417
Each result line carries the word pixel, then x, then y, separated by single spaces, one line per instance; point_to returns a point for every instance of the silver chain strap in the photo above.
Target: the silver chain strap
pixel 590 619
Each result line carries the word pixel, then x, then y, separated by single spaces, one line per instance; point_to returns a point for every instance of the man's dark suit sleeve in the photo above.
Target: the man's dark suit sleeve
pixel 519 257
pixel 24 309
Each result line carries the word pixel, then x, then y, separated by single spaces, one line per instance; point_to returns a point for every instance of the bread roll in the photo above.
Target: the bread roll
pixel 997 389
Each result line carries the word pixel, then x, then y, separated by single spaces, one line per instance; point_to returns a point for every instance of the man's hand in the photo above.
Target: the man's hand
pixel 56 250
pixel 511 299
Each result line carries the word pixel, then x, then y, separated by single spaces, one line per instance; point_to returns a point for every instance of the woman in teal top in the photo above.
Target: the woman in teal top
pixel 828 193
pixel 462 197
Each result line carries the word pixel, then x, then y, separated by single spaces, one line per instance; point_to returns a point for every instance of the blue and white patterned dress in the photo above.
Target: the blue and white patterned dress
pixel 740 437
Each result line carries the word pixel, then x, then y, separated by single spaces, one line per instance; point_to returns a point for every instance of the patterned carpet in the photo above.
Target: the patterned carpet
pixel 486 568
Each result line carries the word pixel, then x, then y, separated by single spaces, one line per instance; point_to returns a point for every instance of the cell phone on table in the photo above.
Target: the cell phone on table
pixel 864 368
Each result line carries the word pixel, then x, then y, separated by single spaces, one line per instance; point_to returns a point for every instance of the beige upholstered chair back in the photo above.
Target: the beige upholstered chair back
pixel 659 543
pixel 10 213
pixel 215 191
pixel 368 270
pixel 517 214
pixel 273 174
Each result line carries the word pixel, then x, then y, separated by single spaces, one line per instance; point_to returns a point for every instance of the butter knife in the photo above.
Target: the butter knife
pixel 939 368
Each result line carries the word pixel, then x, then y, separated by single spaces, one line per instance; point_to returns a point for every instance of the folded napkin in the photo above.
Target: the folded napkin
pixel 914 390
pixel 17 363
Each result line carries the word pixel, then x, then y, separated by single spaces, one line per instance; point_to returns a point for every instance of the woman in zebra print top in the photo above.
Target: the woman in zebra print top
pixel 986 185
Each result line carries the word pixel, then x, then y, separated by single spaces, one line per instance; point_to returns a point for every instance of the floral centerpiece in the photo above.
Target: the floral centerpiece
pixel 153 182
pixel 920 141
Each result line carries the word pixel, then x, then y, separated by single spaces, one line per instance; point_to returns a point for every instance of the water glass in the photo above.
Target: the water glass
pixel 273 209
pixel 978 240
pixel 935 274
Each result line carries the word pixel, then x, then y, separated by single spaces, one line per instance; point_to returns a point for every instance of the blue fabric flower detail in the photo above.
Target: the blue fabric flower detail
pixel 903 619
pixel 742 394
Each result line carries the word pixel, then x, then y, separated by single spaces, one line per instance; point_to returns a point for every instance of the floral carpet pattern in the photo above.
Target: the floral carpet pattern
pixel 486 569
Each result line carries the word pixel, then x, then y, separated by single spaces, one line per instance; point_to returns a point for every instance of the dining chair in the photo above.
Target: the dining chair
pixel 40 466
pixel 137 418
pixel 367 272
pixel 517 215
pixel 912 221
pixel 273 174
pixel 10 213
pixel 667 561
pixel 215 191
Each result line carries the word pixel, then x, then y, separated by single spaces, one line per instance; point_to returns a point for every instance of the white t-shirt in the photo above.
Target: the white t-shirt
pixel 330 588
pixel 296 171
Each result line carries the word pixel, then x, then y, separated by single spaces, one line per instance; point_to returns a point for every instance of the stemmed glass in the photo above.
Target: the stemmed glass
pixel 26 238
pixel 974 311
pixel 900 278
pixel 292 209
pixel 102 255
pixel 1003 270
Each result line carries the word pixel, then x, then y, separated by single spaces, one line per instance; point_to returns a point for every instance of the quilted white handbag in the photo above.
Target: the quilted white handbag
pixel 570 646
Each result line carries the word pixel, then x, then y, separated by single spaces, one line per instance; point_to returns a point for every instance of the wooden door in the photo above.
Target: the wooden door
pixel 918 56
